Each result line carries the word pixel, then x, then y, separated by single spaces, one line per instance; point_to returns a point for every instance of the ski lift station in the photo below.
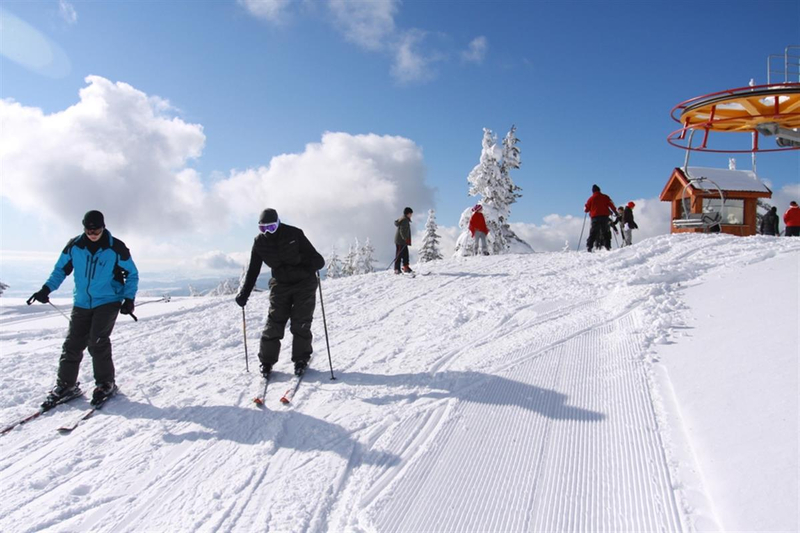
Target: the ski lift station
pixel 720 200
pixel 714 200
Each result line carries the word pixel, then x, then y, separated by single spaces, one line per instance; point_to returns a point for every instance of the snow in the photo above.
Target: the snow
pixel 648 388
pixel 728 180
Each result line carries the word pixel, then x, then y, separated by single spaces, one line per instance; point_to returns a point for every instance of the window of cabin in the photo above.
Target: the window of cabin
pixel 732 213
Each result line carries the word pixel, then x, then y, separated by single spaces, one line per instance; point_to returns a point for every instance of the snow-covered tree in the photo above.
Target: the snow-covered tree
pixel 491 180
pixel 194 293
pixel 429 251
pixel 225 287
pixel 3 288
pixel 334 265
pixel 366 258
pixel 350 264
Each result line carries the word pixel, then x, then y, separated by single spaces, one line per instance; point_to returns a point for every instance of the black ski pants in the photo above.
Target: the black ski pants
pixel 600 232
pixel 92 328
pixel 793 231
pixel 401 254
pixel 295 302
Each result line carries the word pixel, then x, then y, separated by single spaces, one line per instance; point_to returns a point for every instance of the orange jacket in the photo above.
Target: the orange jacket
pixel 792 217
pixel 477 223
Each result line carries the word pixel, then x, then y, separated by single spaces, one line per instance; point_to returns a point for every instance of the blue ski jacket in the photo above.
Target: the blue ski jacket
pixel 105 276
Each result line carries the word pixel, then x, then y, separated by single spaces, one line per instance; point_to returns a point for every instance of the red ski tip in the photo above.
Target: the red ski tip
pixel 284 400
pixel 258 401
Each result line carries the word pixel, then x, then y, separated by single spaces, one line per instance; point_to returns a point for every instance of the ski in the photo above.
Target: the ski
pixel 38 413
pixel 288 396
pixel 259 400
pixel 87 414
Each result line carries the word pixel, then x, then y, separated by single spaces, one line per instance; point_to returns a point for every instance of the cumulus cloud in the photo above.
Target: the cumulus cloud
pixel 118 150
pixel 67 12
pixel 345 186
pixel 476 52
pixel 115 150
pixel 270 10
pixel 217 260
pixel 366 24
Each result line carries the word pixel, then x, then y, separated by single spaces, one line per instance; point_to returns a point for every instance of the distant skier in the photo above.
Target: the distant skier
pixel 106 281
pixel 618 216
pixel 628 224
pixel 792 220
pixel 478 229
pixel 292 290
pixel 402 240
pixel 599 206
pixel 769 222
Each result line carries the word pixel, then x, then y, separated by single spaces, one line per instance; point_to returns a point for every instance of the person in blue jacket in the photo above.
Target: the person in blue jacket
pixel 106 280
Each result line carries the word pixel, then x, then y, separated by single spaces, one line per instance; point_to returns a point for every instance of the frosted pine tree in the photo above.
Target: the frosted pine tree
pixel 366 258
pixel 429 251
pixel 349 267
pixel 3 288
pixel 490 180
pixel 334 266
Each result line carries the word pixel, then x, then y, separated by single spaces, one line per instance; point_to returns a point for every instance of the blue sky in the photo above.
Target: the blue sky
pixel 588 85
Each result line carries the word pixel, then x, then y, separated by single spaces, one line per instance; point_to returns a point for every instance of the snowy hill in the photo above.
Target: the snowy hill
pixel 648 388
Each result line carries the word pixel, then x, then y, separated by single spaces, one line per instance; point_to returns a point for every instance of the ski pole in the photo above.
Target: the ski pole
pixel 615 239
pixel 325 323
pixel 581 237
pixel 244 331
pixel 395 257
pixel 60 311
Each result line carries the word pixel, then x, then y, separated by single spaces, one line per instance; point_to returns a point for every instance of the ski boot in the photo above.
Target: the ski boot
pixel 61 393
pixel 407 269
pixel 266 370
pixel 300 367
pixel 102 392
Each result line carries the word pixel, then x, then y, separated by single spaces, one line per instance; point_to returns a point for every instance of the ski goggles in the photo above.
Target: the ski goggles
pixel 272 227
pixel 93 231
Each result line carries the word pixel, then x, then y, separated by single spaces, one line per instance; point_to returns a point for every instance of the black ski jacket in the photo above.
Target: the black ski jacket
pixel 627 218
pixel 287 252
pixel 769 224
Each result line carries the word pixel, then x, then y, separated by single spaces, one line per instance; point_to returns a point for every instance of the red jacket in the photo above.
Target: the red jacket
pixel 792 217
pixel 477 223
pixel 599 205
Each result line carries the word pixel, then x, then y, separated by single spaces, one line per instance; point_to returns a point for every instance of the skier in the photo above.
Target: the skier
pixel 769 222
pixel 599 206
pixel 478 229
pixel 402 240
pixel 792 220
pixel 618 216
pixel 628 224
pixel 292 295
pixel 106 280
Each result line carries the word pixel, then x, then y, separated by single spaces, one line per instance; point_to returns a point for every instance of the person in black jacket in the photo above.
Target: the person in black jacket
pixel 769 223
pixel 292 296
pixel 628 224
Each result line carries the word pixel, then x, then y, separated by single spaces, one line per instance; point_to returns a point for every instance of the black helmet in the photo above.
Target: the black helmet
pixel 268 216
pixel 93 220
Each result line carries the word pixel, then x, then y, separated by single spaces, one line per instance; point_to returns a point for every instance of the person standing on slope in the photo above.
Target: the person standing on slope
pixel 106 281
pixel 628 224
pixel 792 220
pixel 769 222
pixel 599 206
pixel 618 220
pixel 478 229
pixel 402 240
pixel 292 290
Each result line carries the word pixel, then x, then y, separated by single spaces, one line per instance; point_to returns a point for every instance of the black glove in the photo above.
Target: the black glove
pixel 41 296
pixel 127 307
pixel 241 300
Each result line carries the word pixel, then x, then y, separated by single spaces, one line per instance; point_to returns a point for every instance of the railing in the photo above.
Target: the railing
pixel 791 66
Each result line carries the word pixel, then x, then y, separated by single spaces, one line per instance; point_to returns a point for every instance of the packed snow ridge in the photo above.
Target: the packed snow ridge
pixel 545 392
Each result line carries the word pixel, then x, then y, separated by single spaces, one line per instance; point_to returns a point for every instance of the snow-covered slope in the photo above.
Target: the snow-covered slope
pixel 544 392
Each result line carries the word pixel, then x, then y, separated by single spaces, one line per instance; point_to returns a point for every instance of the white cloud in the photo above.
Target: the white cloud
pixel 344 187
pixel 217 260
pixel 476 52
pixel 25 45
pixel 117 151
pixel 67 12
pixel 365 23
pixel 113 150
pixel 270 10
pixel 411 64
